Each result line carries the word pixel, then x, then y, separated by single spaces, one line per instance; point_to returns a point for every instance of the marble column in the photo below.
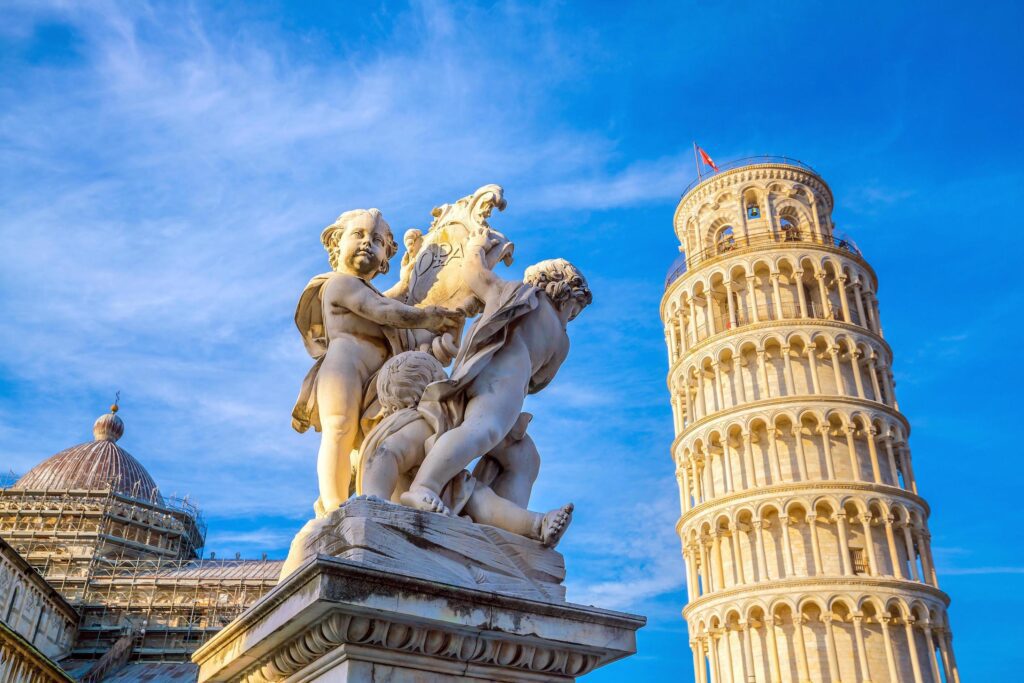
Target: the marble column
pixel 926 565
pixel 766 391
pixel 826 445
pixel 716 560
pixel 698 660
pixel 737 555
pixel 862 651
pixel 890 539
pixel 876 470
pixel 844 544
pixel 801 296
pixel 705 571
pixel 911 554
pixel 843 299
pixel 812 363
pixel 933 660
pixel 701 399
pixel 774 665
pixel 787 554
pixel 762 560
pixel 858 383
pixel 801 454
pixel 777 297
pixel 873 373
pixel 737 368
pixel 748 652
pixel 890 655
pixel 822 294
pixel 833 352
pixel 773 453
pixel 891 460
pixel 787 363
pixel 851 446
pixel 719 394
pixel 819 565
pixel 712 319
pixel 732 305
pixel 716 671
pixel 915 663
pixel 752 293
pixel 750 480
pixel 830 647
pixel 803 669
pixel 953 670
pixel 869 543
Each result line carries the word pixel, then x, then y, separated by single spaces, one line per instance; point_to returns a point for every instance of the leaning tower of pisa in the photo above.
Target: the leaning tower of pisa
pixel 805 538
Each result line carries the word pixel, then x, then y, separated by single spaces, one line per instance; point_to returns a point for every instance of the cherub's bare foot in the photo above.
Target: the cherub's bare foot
pixel 371 497
pixel 554 525
pixel 422 498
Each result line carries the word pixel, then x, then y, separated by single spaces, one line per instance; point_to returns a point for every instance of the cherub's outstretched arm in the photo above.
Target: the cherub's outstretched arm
pixel 477 270
pixel 413 243
pixel 350 293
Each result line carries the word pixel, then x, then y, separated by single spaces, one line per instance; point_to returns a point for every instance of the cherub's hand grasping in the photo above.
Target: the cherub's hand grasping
pixel 441 320
pixel 484 238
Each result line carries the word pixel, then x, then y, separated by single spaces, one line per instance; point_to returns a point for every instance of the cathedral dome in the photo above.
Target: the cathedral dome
pixel 94 465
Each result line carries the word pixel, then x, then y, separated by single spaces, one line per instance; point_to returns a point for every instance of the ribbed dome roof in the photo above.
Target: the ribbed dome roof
pixel 96 464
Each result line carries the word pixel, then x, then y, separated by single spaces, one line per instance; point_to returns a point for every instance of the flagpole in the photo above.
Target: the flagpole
pixel 696 160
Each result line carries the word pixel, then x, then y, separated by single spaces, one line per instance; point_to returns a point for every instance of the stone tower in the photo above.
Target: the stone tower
pixel 805 539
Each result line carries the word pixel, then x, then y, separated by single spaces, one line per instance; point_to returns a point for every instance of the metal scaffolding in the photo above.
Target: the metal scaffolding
pixel 131 565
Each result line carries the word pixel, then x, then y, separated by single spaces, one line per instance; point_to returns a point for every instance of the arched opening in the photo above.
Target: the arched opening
pixel 790 230
pixel 725 239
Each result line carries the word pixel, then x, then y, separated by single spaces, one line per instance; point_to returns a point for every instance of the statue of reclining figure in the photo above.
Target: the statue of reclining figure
pixel 396 447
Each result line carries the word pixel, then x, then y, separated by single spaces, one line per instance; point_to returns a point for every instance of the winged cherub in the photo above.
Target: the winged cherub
pixel 514 348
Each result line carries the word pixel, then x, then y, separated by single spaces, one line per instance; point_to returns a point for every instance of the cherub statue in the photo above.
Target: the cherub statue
pixel 514 348
pixel 397 445
pixel 351 328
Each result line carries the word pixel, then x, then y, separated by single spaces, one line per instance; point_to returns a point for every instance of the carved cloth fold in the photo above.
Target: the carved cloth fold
pixel 485 337
pixel 309 319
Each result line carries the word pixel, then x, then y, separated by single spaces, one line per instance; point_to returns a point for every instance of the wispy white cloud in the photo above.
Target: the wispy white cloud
pixel 165 191
pixel 246 541
pixel 981 571
pixel 635 184
pixel 639 560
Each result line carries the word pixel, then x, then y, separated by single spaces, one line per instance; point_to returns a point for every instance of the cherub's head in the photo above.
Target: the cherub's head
pixel 562 282
pixel 360 243
pixel 402 379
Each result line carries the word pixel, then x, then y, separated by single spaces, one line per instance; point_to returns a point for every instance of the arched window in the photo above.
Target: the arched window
pixel 790 231
pixel 725 239
pixel 12 606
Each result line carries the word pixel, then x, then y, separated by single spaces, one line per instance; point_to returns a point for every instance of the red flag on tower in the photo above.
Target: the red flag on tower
pixel 707 159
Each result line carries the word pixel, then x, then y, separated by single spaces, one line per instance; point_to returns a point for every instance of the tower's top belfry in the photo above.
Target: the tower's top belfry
pixel 751 201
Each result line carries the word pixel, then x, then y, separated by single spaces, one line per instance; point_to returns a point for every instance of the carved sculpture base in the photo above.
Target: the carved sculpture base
pixel 416 596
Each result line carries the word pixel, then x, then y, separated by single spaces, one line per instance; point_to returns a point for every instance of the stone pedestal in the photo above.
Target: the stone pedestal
pixel 413 596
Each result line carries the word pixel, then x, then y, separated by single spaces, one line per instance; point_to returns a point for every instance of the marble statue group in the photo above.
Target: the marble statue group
pixel 395 424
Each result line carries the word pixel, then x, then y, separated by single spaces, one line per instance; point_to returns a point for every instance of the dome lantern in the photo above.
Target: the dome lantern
pixel 108 427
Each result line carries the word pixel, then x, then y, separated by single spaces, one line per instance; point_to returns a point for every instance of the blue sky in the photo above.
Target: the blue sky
pixel 165 171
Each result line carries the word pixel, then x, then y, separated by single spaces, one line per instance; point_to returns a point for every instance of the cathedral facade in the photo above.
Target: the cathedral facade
pixel 804 535
pixel 112 569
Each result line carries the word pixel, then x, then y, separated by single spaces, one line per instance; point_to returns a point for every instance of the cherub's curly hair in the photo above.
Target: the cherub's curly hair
pixel 333 232
pixel 560 280
pixel 402 379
